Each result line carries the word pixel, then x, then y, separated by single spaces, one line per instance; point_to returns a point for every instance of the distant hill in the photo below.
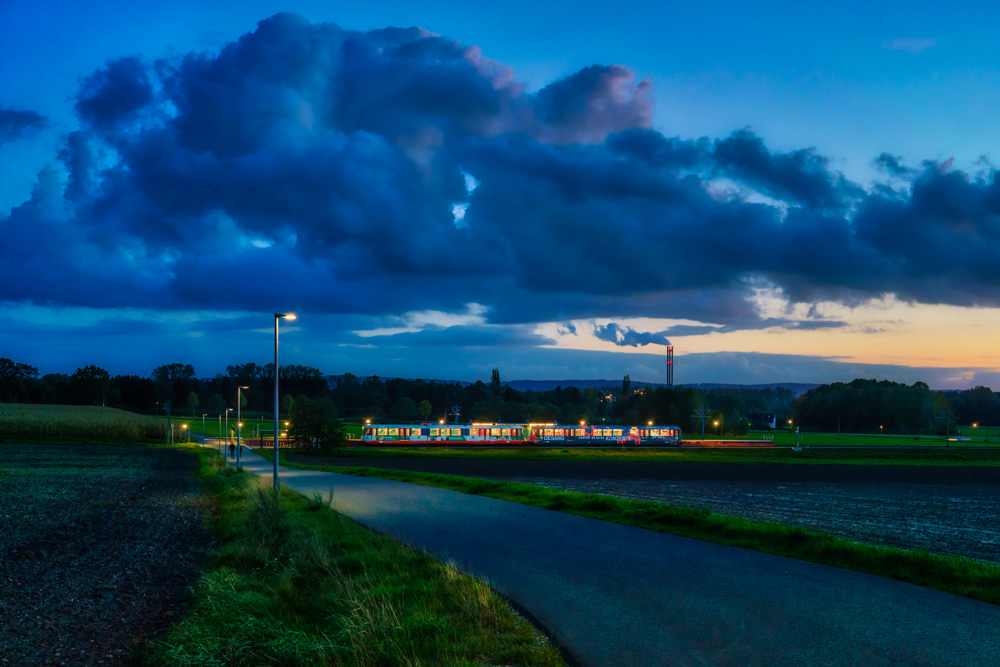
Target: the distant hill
pixel 798 388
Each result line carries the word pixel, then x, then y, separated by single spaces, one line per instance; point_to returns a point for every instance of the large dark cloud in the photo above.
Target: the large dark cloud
pixel 320 168
pixel 16 123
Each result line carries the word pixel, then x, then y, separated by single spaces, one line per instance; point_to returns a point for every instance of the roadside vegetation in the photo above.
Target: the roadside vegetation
pixel 296 583
pixel 961 576
pixel 71 422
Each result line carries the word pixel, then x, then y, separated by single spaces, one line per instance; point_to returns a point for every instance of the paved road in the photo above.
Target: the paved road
pixel 615 595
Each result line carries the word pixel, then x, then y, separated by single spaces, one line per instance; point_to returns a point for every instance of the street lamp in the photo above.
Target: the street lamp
pixel 239 421
pixel 184 427
pixel 277 316
pixel 716 422
pixel 203 428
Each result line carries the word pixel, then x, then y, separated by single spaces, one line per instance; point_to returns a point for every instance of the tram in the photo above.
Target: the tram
pixel 520 434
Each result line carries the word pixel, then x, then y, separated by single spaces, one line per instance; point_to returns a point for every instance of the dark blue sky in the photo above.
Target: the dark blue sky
pixel 794 196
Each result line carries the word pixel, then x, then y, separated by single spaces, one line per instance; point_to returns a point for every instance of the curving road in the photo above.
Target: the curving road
pixel 616 595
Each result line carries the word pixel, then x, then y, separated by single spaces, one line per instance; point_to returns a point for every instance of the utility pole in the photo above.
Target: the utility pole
pixel 701 412
pixel 947 416
pixel 455 411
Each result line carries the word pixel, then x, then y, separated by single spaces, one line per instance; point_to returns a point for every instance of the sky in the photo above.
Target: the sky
pixel 558 190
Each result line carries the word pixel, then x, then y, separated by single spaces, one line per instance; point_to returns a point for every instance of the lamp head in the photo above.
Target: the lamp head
pixel 285 316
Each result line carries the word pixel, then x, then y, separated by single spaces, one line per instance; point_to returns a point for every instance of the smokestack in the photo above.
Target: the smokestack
pixel 670 365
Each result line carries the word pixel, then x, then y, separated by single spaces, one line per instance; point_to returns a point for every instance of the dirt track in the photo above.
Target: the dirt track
pixel 948 510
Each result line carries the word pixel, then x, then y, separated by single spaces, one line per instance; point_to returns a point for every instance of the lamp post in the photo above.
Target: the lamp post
pixel 228 410
pixel 277 316
pixel 239 421
pixel 184 428
pixel 716 422
pixel 218 439
pixel 203 428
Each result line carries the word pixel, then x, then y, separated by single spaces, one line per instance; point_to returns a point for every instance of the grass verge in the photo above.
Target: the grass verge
pixel 961 576
pixel 296 583
pixel 890 456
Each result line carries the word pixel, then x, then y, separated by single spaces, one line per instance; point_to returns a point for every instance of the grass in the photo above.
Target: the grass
pixel 785 438
pixel 76 422
pixel 297 584
pixel 954 456
pixel 961 576
pixel 212 427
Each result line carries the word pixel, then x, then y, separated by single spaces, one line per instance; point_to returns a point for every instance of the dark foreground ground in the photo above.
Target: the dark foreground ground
pixel 97 544
pixel 946 510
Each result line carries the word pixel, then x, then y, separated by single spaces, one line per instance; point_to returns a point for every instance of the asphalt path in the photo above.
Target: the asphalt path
pixel 617 595
pixel 672 470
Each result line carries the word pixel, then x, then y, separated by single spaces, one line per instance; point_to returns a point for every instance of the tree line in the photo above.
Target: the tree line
pixel 858 406
pixel 872 406
pixel 176 387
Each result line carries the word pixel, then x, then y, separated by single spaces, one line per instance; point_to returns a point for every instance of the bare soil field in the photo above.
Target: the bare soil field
pixel 946 509
pixel 97 544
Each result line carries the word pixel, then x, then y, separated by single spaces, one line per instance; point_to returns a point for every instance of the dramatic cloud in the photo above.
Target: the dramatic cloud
pixel 323 169
pixel 16 123
pixel 625 336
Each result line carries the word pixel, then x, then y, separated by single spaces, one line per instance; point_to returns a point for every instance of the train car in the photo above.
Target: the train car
pixel 650 435
pixel 520 434
pixel 443 434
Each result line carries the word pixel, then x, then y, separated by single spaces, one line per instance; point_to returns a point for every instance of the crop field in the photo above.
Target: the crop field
pixel 97 545
pixel 47 422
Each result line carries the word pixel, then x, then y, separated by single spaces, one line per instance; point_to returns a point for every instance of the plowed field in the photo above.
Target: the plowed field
pixel 97 544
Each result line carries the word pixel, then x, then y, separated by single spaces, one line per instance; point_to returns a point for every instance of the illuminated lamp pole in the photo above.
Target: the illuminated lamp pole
pixel 277 316
pixel 184 428
pixel 239 421
pixel 203 428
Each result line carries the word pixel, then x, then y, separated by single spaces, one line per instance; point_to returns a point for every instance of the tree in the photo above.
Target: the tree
pixel 287 404
pixel 90 385
pixel 14 379
pixel 495 382
pixel 424 409
pixel 315 425
pixel 216 405
pixel 404 409
pixel 626 386
pixel 172 372
pixel 192 402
